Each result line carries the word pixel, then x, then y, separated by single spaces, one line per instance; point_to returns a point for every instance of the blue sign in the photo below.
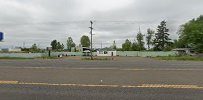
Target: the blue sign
pixel 1 36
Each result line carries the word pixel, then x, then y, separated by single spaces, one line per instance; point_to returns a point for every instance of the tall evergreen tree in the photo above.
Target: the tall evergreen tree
pixel 162 40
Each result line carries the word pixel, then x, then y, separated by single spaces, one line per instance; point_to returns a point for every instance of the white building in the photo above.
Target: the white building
pixel 106 53
pixel 11 50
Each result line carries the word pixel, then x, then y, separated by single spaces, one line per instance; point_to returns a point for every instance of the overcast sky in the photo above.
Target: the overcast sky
pixel 41 21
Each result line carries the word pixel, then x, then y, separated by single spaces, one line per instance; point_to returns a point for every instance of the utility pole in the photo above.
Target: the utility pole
pixel 91 28
pixel 101 45
pixel 139 30
pixel 23 44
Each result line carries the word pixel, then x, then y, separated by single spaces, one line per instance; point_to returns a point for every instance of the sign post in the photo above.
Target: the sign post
pixel 1 36
pixel 49 49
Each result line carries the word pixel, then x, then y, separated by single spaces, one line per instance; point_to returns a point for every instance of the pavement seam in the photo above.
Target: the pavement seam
pixel 124 69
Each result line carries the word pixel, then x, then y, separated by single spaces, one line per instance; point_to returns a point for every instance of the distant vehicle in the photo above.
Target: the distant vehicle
pixel 184 51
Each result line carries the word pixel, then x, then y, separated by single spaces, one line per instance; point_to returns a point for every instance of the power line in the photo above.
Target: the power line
pixel 79 22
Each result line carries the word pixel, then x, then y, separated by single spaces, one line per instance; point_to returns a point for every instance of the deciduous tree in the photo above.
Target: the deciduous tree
pixel 191 34
pixel 54 45
pixel 85 41
pixel 127 45
pixel 149 37
pixel 70 43
pixel 140 41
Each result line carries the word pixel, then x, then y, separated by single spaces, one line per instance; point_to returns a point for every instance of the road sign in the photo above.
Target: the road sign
pixel 1 36
pixel 49 48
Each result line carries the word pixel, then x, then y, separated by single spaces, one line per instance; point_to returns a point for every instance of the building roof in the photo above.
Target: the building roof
pixel 106 49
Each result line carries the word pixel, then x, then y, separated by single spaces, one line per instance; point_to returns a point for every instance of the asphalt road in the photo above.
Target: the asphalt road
pixel 120 79
pixel 29 92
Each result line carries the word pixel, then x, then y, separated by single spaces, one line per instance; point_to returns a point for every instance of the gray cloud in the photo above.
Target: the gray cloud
pixel 41 21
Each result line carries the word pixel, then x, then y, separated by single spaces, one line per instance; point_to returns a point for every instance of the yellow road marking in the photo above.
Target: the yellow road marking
pixel 8 82
pixel 92 85
pixel 170 86
pixel 81 85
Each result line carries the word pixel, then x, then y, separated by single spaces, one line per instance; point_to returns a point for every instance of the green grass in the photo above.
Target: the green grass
pixel 97 59
pixel 183 58
pixel 46 57
pixel 16 58
pixel 21 58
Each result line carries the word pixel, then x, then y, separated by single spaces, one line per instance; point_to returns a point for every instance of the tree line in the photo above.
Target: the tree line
pixel 158 41
pixel 57 46
pixel 190 36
